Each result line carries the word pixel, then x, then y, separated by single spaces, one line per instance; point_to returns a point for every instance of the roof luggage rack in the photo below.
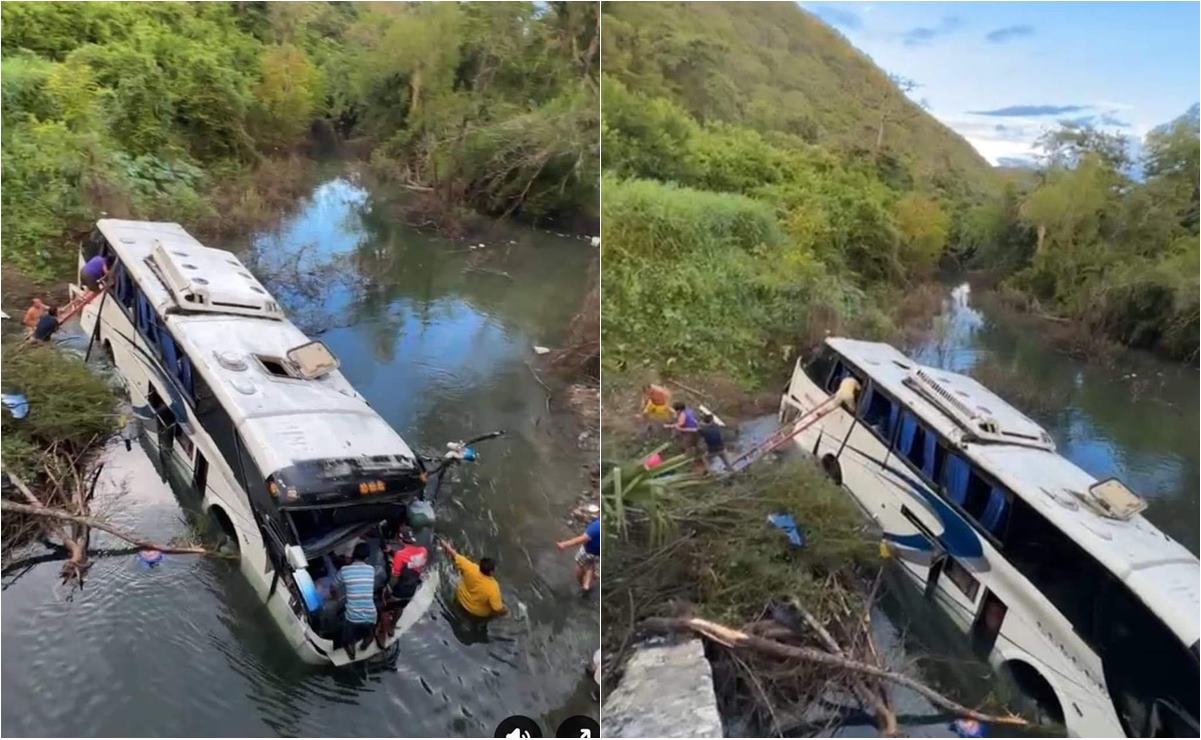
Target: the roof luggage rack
pixel 979 425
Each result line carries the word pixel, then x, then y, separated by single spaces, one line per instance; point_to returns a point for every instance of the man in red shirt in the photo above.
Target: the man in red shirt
pixel 404 577
pixel 407 563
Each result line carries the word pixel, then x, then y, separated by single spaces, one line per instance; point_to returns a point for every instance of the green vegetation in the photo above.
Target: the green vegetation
pixel 764 184
pixel 192 112
pixel 777 70
pixel 713 547
pixel 69 407
pixel 1086 239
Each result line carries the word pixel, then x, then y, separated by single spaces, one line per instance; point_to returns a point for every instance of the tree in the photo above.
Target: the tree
pixel 1172 163
pixel 1068 144
pixel 286 95
pixel 923 227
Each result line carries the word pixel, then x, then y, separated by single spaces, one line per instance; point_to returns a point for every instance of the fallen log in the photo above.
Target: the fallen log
pixel 737 639
pixel 87 521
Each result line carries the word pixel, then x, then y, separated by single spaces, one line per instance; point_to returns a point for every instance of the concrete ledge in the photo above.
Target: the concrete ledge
pixel 667 691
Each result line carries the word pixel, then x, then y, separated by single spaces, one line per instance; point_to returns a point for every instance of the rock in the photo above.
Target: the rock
pixel 666 691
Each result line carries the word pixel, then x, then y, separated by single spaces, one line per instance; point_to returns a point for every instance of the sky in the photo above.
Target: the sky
pixel 1001 73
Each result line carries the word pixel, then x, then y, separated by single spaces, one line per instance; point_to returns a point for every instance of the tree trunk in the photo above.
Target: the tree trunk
pixel 740 640
pixel 414 93
pixel 87 521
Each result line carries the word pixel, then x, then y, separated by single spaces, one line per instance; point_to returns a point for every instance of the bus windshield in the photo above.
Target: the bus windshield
pixel 344 482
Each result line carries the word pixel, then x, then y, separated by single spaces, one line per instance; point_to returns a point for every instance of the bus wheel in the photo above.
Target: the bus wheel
pixel 1037 690
pixel 224 530
pixel 832 469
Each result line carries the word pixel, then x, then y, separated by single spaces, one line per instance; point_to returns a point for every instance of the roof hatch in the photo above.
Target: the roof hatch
pixel 210 280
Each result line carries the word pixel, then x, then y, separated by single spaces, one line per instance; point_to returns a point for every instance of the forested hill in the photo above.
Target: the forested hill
pixel 777 69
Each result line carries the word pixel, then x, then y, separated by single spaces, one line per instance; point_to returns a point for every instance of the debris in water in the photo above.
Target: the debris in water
pixel 969 728
pixel 150 558
pixel 540 350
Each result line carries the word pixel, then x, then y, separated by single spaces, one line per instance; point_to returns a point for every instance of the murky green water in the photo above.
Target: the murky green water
pixel 437 336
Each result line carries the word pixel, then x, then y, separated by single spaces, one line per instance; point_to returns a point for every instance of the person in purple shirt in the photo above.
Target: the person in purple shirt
pixel 94 270
pixel 685 427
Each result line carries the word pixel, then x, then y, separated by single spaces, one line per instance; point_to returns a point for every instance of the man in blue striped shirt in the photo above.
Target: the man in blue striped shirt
pixel 355 585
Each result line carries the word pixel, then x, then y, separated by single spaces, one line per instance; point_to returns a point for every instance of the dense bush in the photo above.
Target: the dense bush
pixel 158 110
pixel 1116 253
pixel 701 281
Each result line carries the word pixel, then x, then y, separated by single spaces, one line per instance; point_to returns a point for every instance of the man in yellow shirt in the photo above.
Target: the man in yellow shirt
pixel 478 592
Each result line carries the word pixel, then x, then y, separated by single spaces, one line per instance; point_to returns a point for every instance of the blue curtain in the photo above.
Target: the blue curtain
pixel 185 375
pixel 931 443
pixel 955 475
pixel 908 430
pixel 146 318
pixel 167 344
pixel 994 510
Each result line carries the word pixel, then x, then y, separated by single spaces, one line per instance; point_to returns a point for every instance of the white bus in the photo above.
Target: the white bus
pixel 1054 575
pixel 291 462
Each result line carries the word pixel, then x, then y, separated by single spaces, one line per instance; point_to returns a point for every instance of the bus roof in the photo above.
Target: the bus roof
pixel 242 357
pixel 1161 571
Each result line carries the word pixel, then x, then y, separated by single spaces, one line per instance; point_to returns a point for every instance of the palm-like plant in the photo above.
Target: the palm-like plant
pixel 632 490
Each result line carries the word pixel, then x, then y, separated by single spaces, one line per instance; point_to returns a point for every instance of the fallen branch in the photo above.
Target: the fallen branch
pixel 886 719
pixel 737 639
pixel 87 521
pixel 699 394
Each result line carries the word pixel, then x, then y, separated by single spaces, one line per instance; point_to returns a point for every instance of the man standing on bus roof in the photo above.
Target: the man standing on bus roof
pixel 355 585
pixel 478 591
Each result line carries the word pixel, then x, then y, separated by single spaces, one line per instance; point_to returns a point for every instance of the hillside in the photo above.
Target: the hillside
pixel 777 69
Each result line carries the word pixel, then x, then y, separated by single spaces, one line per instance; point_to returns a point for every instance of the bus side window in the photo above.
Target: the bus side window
pixel 842 370
pixel 956 472
pixel 146 320
pixel 123 285
pixel 96 244
pixel 818 367
pixel 979 494
pixel 879 412
pixel 996 511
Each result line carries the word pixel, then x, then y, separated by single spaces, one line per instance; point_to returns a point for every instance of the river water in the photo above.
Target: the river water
pixel 1133 417
pixel 438 337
